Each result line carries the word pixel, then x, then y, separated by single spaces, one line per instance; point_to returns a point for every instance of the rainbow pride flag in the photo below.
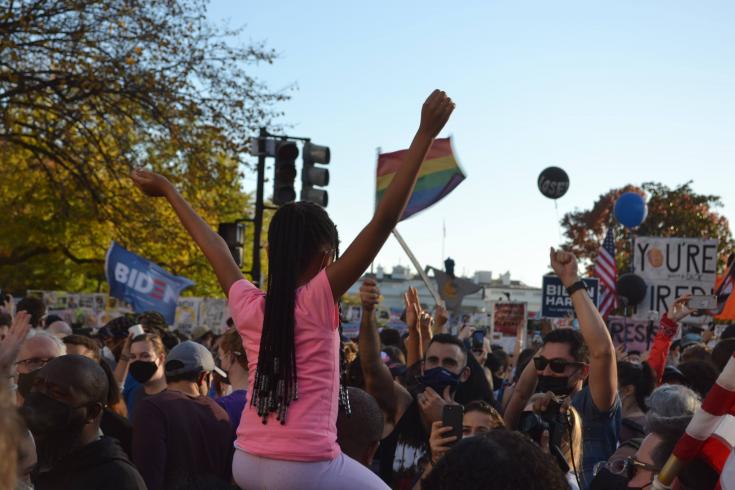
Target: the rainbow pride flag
pixel 439 175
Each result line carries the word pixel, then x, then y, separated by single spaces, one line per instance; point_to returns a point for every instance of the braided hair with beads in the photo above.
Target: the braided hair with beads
pixel 299 234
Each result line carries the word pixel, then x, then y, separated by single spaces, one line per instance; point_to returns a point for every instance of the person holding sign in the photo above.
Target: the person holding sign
pixel 568 358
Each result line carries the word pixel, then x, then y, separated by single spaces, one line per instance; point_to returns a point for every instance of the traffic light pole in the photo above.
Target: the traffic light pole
pixel 258 219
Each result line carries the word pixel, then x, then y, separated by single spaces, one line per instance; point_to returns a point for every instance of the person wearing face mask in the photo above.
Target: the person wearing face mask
pixel 234 362
pixel 408 414
pixel 181 436
pixel 146 361
pixel 565 361
pixel 37 349
pixel 636 382
pixel 63 412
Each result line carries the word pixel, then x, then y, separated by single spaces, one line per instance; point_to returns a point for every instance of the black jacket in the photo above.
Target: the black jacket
pixel 99 465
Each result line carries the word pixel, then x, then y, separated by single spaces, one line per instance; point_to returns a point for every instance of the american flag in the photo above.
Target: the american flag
pixel 711 433
pixel 607 271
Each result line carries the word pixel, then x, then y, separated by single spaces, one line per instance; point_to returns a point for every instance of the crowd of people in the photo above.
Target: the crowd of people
pixel 282 400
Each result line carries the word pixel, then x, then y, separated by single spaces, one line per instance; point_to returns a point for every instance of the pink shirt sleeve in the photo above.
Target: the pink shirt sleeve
pixel 317 298
pixel 241 297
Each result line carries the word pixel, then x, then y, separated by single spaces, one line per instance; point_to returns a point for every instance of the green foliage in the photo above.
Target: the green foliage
pixel 90 89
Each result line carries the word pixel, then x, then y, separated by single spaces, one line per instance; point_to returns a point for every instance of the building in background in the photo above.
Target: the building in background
pixel 494 289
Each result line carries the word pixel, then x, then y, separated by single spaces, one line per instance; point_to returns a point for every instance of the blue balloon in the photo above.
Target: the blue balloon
pixel 631 209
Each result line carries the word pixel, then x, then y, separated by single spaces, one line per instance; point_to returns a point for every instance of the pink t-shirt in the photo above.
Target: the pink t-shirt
pixel 310 432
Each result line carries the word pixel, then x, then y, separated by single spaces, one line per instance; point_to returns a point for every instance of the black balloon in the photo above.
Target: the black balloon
pixel 631 288
pixel 553 182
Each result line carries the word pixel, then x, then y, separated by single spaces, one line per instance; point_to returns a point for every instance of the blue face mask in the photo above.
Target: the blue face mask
pixel 438 379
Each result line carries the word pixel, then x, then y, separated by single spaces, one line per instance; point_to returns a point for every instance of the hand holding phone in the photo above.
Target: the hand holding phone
pixel 452 416
pixel 702 302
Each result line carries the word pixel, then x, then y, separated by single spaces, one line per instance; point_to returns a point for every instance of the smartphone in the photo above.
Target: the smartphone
pixel 452 416
pixel 478 338
pixel 702 302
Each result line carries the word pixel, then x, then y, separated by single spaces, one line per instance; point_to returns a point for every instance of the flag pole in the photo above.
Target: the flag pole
pixel 375 202
pixel 419 269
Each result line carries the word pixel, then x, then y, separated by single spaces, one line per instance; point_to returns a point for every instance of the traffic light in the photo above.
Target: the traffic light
pixel 315 176
pixel 285 172
pixel 234 236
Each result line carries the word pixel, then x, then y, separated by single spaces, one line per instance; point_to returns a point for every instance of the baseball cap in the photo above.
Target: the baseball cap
pixel 189 357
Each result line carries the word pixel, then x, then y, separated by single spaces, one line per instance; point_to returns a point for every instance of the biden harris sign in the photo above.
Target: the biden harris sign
pixel 143 284
pixel 556 303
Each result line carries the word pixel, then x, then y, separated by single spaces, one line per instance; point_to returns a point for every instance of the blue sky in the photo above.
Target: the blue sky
pixel 613 92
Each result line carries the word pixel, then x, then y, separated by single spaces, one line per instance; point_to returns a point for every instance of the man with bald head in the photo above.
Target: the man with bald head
pixel 35 351
pixel 63 412
pixel 60 329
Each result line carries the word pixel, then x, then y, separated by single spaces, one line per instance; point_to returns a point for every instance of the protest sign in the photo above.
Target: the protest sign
pixel 509 318
pixel 636 334
pixel 187 314
pixel 143 284
pixel 674 266
pixel 214 312
pixel 556 303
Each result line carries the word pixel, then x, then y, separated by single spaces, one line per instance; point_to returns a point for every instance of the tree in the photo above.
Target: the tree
pixel 90 89
pixel 677 212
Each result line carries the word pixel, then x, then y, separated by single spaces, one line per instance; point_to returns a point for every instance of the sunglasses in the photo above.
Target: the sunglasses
pixel 557 365
pixel 626 467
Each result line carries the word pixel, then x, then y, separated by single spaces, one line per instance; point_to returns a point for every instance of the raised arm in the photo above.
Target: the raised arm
pixel 667 330
pixel 603 377
pixel 10 345
pixel 426 327
pixel 414 346
pixel 211 244
pixel 392 398
pixel 441 317
pixel 522 393
pixel 343 273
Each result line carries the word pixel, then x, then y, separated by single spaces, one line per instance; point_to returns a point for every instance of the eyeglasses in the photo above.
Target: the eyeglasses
pixel 625 467
pixel 34 363
pixel 557 365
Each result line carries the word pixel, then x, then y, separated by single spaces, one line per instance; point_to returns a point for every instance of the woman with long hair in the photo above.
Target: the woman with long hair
pixel 287 437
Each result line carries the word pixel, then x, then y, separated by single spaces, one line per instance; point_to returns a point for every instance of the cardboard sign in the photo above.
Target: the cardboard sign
pixel 509 318
pixel 674 266
pixel 556 303
pixel 636 334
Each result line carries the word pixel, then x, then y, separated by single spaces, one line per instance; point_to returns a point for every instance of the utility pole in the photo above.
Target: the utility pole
pixel 258 219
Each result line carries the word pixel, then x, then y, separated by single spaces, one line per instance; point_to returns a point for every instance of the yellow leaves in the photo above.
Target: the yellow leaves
pixel 130 60
pixel 138 50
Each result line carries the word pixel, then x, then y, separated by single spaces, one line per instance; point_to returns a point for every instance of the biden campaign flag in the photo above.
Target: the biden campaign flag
pixel 143 284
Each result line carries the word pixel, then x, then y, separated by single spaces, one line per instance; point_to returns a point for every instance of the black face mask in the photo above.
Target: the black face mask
pixel 143 371
pixel 558 385
pixel 56 427
pixel 606 480
pixel 26 381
